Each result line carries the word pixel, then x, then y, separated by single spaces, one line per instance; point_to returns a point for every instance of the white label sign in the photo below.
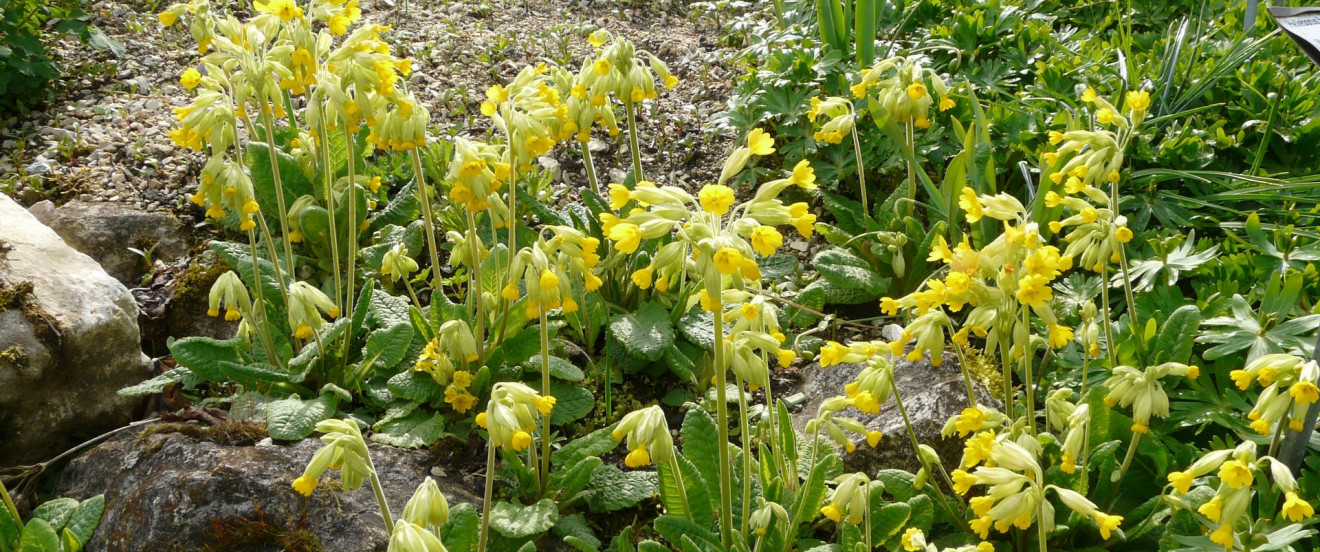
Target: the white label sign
pixel 1303 25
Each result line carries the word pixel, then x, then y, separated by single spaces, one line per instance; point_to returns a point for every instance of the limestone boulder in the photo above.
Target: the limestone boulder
pixel 68 342
pixel 106 231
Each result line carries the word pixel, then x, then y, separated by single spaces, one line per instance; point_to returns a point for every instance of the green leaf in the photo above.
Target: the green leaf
pixel 646 332
pixel 575 526
pixel 86 518
pixel 673 529
pixel 574 479
pixel 255 374
pixel 700 439
pixel 416 386
pixel 385 348
pixel 571 402
pixel 292 419
pixel 887 520
pixel 387 310
pixel 68 542
pixel 517 521
pixel 846 270
pixel 679 363
pixel 559 368
pixel 515 350
pixel 671 493
pixel 263 181
pixel 651 546
pixel 1174 342
pixel 778 266
pixel 159 383
pixel 615 489
pixel 700 498
pixel 10 531
pixel 698 326
pixel 461 533
pixel 39 536
pixel 595 443
pixel 402 208
pixel 415 430
pixel 56 511
pixel 203 356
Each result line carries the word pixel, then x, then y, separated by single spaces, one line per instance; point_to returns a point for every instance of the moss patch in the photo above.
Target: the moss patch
pixel 260 532
pixel 232 434
pixel 14 355
pixel 195 281
pixel 19 297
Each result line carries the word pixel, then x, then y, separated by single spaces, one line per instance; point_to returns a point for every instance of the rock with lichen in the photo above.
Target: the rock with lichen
pixel 68 342
pixel 106 231
pixel 228 487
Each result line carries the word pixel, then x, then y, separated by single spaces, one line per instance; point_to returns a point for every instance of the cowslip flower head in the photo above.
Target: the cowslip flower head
pixel 228 292
pixel 648 437
pixel 512 413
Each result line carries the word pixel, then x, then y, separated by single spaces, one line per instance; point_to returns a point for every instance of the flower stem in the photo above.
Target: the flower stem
pixel 633 143
pixel 545 392
pixel 590 166
pixel 722 425
pixel 861 179
pixel 380 498
pixel 351 245
pixel 428 220
pixel 475 290
pixel 682 488
pixel 327 173
pixel 1027 380
pixel 279 188
pixel 745 428
pixel 485 502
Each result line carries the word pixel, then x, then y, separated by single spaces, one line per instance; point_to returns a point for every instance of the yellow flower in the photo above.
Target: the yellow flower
pixel 716 199
pixel 637 458
pixel 1296 509
pixel 962 481
pixel 1034 290
pixel 627 236
pixel 946 104
pixel 1235 473
pixel 304 485
pixel 1060 335
pixel 167 18
pixel 521 440
pixel 1304 392
pixel 908 536
pixel 1212 509
pixel 804 176
pixel 1107 523
pixel 1138 100
pixel 1123 234
pixel 786 357
pixel 728 260
pixel 970 420
pixel 642 278
pixel 970 203
pixel 286 10
pixel 670 81
pixel 916 91
pixel 1181 481
pixel 1088 95
pixel 190 78
pixel 601 66
pixel 760 142
pixel 833 512
pixel 619 196
pixel 832 353
pixel 1223 536
pixel 548 280
pixel 765 240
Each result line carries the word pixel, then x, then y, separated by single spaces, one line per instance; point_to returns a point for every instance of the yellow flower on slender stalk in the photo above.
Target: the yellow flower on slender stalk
pixel 760 142
pixel 716 199
pixel 648 437
pixel 511 415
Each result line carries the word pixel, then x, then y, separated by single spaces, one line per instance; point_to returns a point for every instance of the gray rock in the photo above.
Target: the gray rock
pixel 68 342
pixel 167 490
pixel 44 210
pixel 106 231
pixel 930 395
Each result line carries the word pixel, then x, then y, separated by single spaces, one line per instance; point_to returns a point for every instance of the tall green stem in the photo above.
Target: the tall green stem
pixel 263 326
pixel 682 488
pixel 327 172
pixel 633 142
pixel 428 221
pixel 1109 318
pixel 1027 380
pixel 911 167
pixel 272 154
pixel 590 166
pixel 476 289
pixel 745 428
pixel 722 425
pixel 380 498
pixel 861 179
pixel 351 245
pixel 485 502
pixel 513 243
pixel 9 504
pixel 545 392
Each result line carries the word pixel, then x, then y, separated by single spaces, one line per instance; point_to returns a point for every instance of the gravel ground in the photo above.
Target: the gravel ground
pixel 104 137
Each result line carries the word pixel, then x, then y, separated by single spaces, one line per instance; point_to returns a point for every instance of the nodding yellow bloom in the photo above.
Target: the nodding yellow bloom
pixel 1235 473
pixel 1034 290
pixel 190 78
pixel 1060 336
pixel 1123 234
pixel 916 91
pixel 168 18
pixel 626 236
pixel 913 540
pixel 619 196
pixel 946 104
pixel 716 199
pixel 1295 509
pixel 648 437
pixel 803 175
pixel 512 413
pixel 642 278
pixel 728 260
pixel 1138 100
pixel 766 239
pixel 229 292
pixel 760 142
pixel 971 204
pixel 1304 392
pixel 286 10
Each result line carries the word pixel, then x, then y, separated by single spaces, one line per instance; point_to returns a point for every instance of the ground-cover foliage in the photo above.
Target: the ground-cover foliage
pixel 993 178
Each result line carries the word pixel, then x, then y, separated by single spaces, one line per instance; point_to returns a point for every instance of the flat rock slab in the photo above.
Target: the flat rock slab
pixel 105 231
pixel 166 490
pixel 930 394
